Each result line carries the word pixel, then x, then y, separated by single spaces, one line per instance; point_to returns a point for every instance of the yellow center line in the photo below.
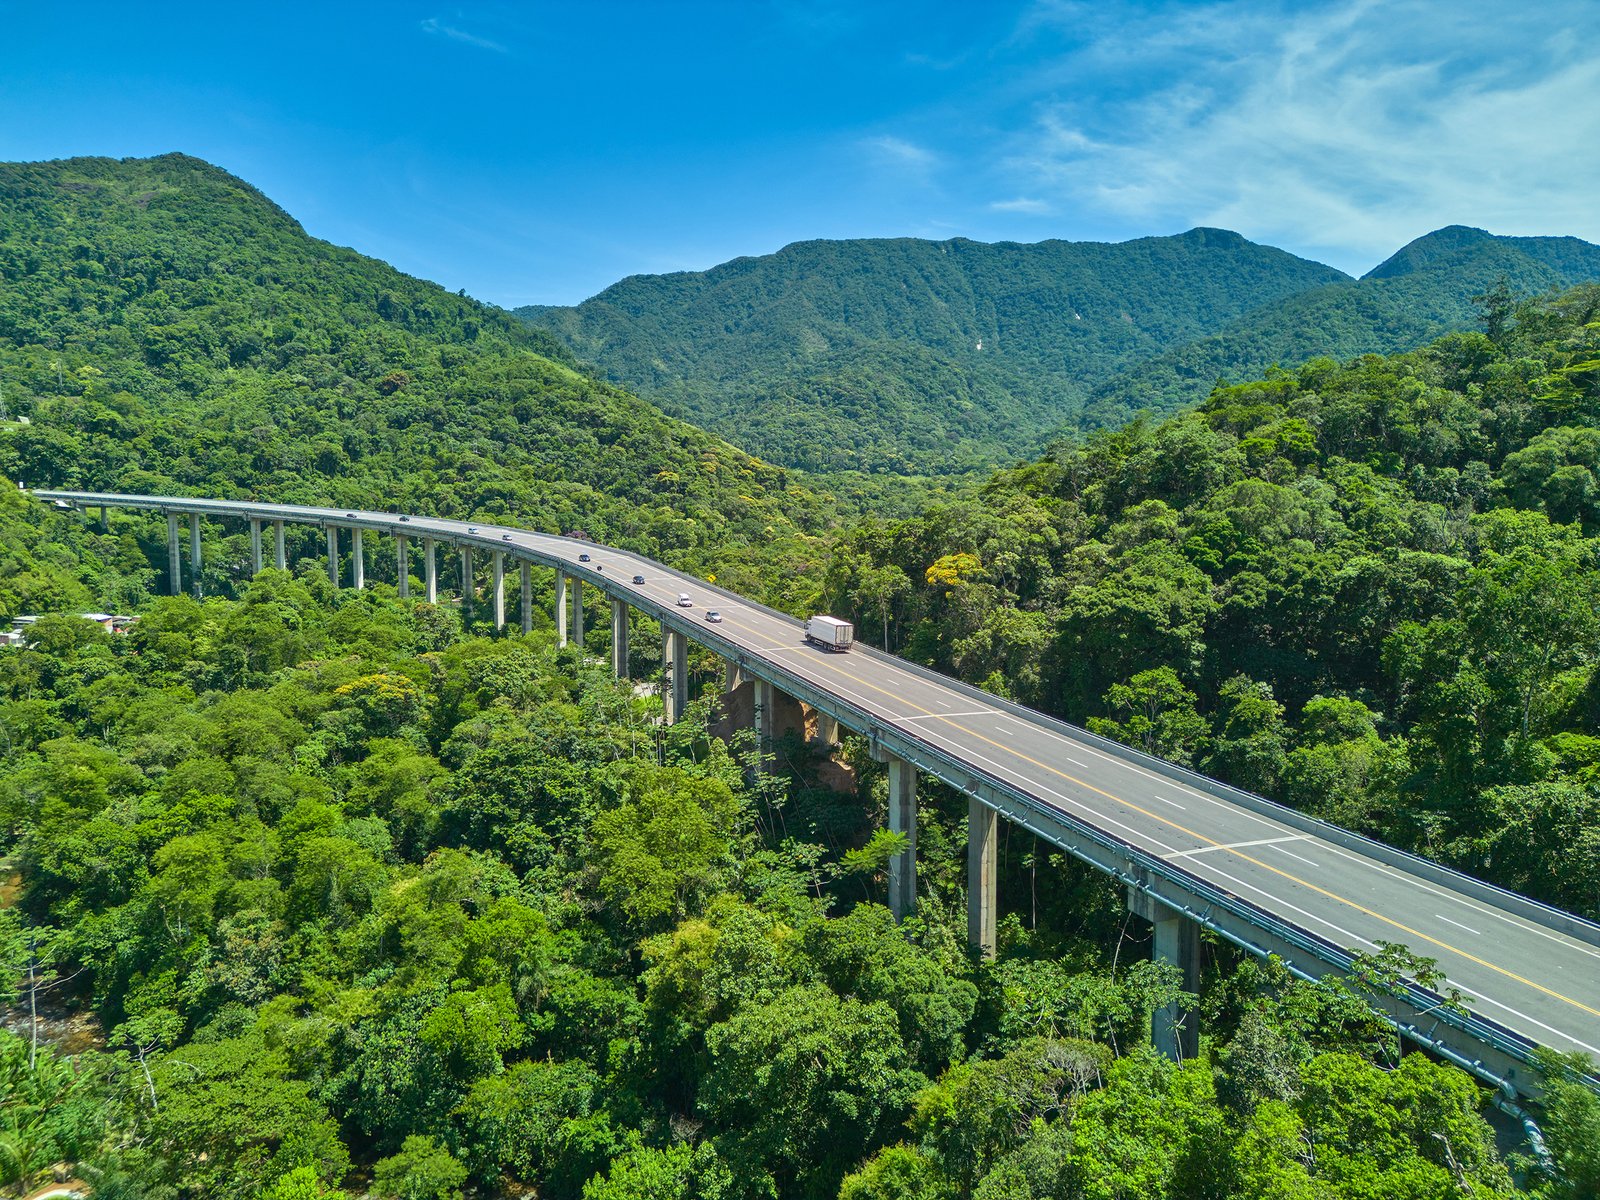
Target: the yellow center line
pixel 1361 908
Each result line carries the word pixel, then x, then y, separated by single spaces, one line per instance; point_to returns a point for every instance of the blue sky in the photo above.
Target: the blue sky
pixel 534 153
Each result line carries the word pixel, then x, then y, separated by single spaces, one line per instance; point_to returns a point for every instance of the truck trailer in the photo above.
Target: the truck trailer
pixel 830 633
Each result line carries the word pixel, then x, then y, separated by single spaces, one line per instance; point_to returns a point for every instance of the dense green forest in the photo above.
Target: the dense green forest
pixel 311 893
pixel 905 356
pixel 364 902
pixel 1369 590
pixel 166 328
pixel 1421 292
pixel 900 354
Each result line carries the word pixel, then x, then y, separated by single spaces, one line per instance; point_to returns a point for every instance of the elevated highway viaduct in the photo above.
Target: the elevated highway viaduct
pixel 1191 852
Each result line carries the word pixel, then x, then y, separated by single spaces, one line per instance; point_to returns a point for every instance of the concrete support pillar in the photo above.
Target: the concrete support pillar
pixel 1174 1030
pixel 255 545
pixel 561 607
pixel 903 819
pixel 732 676
pixel 358 560
pixel 619 638
pixel 675 668
pixel 280 555
pixel 174 562
pixel 468 586
pixel 402 560
pixel 577 611
pixel 333 554
pixel 430 570
pixel 763 705
pixel 194 553
pixel 105 520
pixel 499 590
pixel 827 735
pixel 983 825
pixel 527 597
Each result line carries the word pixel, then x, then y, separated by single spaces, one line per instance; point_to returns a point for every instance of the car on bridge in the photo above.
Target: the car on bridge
pixel 684 601
pixel 638 578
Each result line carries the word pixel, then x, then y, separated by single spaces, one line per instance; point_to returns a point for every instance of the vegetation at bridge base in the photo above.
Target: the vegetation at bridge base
pixel 1368 590
pixel 365 903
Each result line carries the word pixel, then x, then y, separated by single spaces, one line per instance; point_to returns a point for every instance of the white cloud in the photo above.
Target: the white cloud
pixel 1346 129
pixel 899 152
pixel 1022 204
pixel 433 25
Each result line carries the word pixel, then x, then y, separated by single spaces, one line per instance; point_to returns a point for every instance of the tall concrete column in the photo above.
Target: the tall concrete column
pixel 174 562
pixel 827 735
pixel 430 570
pixel 105 519
pixel 255 545
pixel 561 607
pixel 761 714
pixel 499 590
pixel 402 559
pixel 903 819
pixel 333 554
pixel 619 638
pixel 577 611
pixel 675 666
pixel 982 838
pixel 358 560
pixel 527 597
pixel 732 676
pixel 468 586
pixel 280 556
pixel 194 552
pixel 1174 1030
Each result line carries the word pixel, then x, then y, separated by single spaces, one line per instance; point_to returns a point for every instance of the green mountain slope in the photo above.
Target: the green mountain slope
pixel 1424 290
pixel 1370 590
pixel 902 354
pixel 164 326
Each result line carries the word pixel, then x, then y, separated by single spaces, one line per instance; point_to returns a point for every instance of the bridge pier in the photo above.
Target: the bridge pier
pixel 333 554
pixel 194 552
pixel 675 671
pixel 827 735
pixel 1174 1031
pixel 499 585
pixel 430 570
pixel 763 703
pixel 577 612
pixel 174 563
pixel 255 545
pixel 526 580
pixel 619 638
pixel 469 587
pixel 105 519
pixel 358 560
pixel 561 607
pixel 280 556
pixel 903 819
pixel 402 559
pixel 982 841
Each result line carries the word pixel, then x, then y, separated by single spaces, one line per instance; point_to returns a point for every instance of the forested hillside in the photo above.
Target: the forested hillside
pixel 902 355
pixel 913 356
pixel 1369 590
pixel 1426 289
pixel 166 328
pixel 364 904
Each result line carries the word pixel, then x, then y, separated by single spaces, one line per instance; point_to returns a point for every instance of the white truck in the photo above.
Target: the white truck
pixel 830 633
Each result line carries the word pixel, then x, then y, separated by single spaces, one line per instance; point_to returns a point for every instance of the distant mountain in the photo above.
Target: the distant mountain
pixel 910 355
pixel 915 356
pixel 1423 290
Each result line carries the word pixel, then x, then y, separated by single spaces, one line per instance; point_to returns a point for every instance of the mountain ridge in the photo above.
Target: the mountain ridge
pixel 941 370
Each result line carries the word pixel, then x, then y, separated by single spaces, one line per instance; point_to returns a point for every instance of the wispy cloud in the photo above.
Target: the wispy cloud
pixel 899 152
pixel 1022 204
pixel 436 27
pixel 1350 127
